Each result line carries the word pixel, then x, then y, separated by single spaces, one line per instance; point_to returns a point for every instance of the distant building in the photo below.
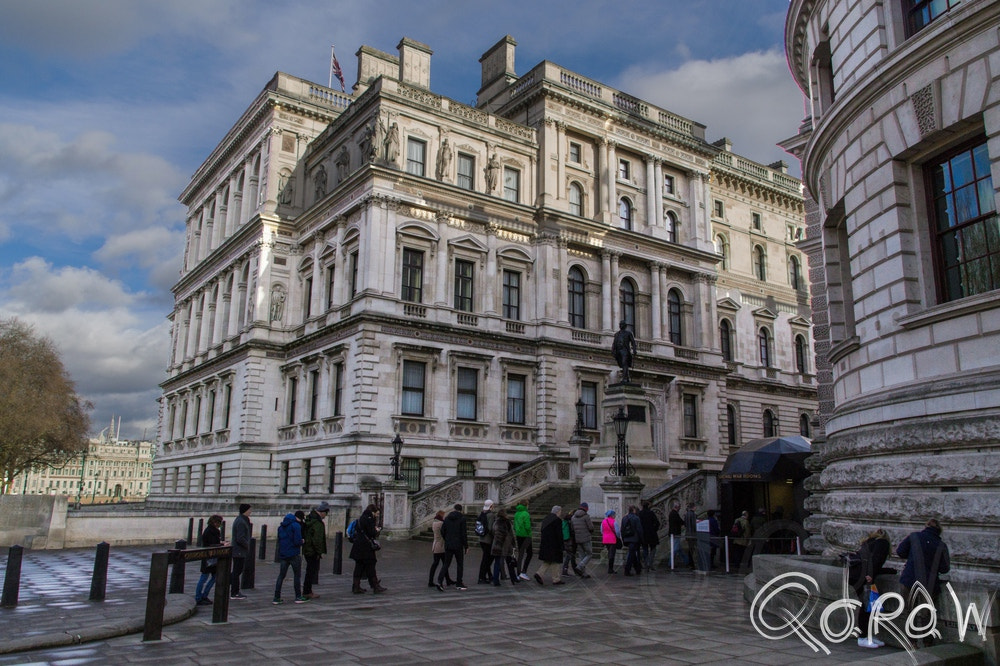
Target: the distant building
pixel 110 470
pixel 393 261
pixel 899 152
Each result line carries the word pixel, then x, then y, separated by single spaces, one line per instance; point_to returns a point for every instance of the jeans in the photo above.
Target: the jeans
pixel 459 556
pixel 234 579
pixel 312 574
pixel 632 559
pixel 587 548
pixel 648 555
pixel 498 561
pixel 612 548
pixel 439 559
pixel 201 590
pixel 295 562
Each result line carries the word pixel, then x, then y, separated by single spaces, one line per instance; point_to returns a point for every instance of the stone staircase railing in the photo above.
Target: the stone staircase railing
pixel 692 486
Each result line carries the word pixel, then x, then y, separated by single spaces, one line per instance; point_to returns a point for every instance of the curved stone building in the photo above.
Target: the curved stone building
pixel 901 157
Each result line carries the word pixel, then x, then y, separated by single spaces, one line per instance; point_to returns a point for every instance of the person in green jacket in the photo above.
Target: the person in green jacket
pixel 314 548
pixel 522 532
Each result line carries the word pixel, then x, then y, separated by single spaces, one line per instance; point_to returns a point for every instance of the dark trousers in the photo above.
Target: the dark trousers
pixel 234 579
pixel 498 561
pixel 459 556
pixel 365 569
pixel 439 559
pixel 632 560
pixel 295 562
pixel 612 550
pixel 485 570
pixel 312 574
pixel 524 551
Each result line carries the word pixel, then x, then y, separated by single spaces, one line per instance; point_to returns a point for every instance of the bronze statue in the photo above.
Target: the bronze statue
pixel 624 349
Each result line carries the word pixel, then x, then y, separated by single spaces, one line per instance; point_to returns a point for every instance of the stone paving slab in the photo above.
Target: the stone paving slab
pixel 656 618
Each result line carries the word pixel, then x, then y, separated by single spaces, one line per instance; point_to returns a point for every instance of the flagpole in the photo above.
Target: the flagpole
pixel 332 56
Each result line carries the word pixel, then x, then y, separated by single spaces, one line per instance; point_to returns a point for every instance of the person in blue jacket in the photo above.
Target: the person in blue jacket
pixel 289 552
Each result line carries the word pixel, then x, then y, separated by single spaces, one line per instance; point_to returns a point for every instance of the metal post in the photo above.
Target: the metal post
pixel 99 581
pixel 726 544
pixel 190 530
pixel 671 552
pixel 201 530
pixel 12 579
pixel 263 543
pixel 177 571
pixel 220 608
pixel 798 546
pixel 338 553
pixel 222 531
pixel 249 567
pixel 156 597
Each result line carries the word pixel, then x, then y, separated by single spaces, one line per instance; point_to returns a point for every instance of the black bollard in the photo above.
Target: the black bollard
pixel 12 579
pixel 263 542
pixel 190 530
pixel 338 553
pixel 222 531
pixel 99 581
pixel 156 596
pixel 177 571
pixel 201 530
pixel 249 567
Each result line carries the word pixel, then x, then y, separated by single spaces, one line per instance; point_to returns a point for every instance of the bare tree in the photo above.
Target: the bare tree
pixel 42 420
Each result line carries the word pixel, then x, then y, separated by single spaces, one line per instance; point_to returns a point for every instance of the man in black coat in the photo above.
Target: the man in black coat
pixel 550 547
pixel 650 535
pixel 456 545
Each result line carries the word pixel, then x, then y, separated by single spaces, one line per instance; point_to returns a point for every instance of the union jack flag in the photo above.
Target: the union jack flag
pixel 335 70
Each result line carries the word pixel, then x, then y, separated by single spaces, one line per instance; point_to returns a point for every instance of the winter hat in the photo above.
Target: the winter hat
pixel 244 508
pixel 487 504
pixel 584 506
pixel 609 513
pixel 323 508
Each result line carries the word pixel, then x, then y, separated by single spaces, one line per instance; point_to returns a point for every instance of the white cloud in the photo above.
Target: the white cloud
pixel 39 287
pixel 750 98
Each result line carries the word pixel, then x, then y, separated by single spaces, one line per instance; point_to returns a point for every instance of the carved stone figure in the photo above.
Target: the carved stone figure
pixel 391 142
pixel 444 160
pixel 286 187
pixel 343 163
pixel 491 171
pixel 319 181
pixel 277 302
pixel 624 348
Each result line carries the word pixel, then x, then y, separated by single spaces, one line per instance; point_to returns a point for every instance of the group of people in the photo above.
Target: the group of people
pixel 565 543
pixel 211 536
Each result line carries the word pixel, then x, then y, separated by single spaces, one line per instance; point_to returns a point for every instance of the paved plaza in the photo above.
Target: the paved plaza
pixel 656 618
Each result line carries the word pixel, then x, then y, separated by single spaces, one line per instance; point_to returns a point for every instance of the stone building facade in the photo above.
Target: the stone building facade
pixel 899 153
pixel 392 261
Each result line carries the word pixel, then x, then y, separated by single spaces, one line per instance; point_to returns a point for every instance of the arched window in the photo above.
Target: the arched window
pixel 804 425
pixel 726 339
pixel 759 263
pixel 625 213
pixel 794 272
pixel 722 248
pixel 674 317
pixel 670 220
pixel 626 299
pixel 575 199
pixel 577 298
pixel 800 354
pixel 770 424
pixel 764 340
pixel 731 427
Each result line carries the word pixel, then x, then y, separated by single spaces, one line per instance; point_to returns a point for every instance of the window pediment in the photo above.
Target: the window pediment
pixel 728 304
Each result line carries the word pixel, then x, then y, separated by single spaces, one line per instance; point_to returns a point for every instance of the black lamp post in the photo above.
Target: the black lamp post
pixel 622 466
pixel 579 417
pixel 397 449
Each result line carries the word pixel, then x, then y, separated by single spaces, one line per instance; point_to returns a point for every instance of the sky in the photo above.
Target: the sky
pixel 108 106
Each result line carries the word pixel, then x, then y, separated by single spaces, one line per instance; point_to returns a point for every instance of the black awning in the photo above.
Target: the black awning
pixel 769 459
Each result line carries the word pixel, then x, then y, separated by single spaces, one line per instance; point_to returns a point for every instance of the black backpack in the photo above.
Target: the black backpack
pixel 628 528
pixel 482 522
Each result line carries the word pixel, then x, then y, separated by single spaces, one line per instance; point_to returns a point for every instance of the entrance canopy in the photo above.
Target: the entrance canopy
pixel 769 459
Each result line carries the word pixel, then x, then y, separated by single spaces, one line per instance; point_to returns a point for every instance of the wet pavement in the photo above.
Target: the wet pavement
pixel 655 618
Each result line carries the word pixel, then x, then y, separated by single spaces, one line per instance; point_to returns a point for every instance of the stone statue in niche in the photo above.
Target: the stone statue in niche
pixel 286 187
pixel 444 160
pixel 491 171
pixel 343 163
pixel 277 302
pixel 319 181
pixel 391 142
pixel 624 349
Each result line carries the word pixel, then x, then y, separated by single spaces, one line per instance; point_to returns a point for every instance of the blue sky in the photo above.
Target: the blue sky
pixel 108 106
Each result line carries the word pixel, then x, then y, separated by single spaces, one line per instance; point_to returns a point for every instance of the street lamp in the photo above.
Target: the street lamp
pixel 622 466
pixel 579 417
pixel 397 449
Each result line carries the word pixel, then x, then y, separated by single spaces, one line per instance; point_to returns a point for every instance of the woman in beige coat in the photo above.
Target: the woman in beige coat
pixel 437 548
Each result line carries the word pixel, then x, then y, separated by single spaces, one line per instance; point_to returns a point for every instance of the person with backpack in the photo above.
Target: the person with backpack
pixel 740 533
pixel 363 551
pixel 631 529
pixel 583 530
pixel 522 532
pixel 484 530
pixel 650 535
pixel 314 548
pixel 455 533
pixel 289 547
pixel 569 545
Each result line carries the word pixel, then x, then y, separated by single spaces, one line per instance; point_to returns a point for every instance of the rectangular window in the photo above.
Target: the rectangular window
pixel 184 418
pixel 413 388
pixel 718 209
pixel 468 393
pixel 964 223
pixel 331 272
pixel 413 275
pixel 511 184
pixel 463 285
pixel 293 389
pixel 218 478
pixel 690 415
pixel 352 273
pixel 306 474
pixel 588 396
pixel 920 13
pixel 512 295
pixel 227 405
pixel 307 294
pixel 624 170
pixel 197 415
pixel 283 478
pixel 313 395
pixel 338 389
pixel 331 474
pixel 755 221
pixel 411 470
pixel 575 152
pixel 416 151
pixel 211 410
pixel 515 398
pixel 466 171
pixel 669 186
pixel 466 469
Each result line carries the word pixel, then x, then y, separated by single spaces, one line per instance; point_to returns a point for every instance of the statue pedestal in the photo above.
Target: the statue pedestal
pixel 649 469
pixel 396 519
pixel 621 492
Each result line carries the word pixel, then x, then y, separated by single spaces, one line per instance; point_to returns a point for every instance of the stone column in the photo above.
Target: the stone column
pixel 656 192
pixel 607 320
pixel 657 305
pixel 613 296
pixel 612 182
pixel 221 312
pixel 207 307
pixel 600 180
pixel 651 198
pixel 560 160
